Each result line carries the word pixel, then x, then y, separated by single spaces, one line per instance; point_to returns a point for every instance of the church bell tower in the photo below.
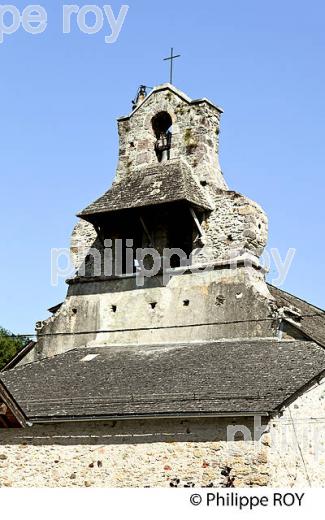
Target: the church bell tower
pixel 169 190
pixel 169 198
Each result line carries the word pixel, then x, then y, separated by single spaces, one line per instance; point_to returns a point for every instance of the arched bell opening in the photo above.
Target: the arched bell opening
pixel 162 127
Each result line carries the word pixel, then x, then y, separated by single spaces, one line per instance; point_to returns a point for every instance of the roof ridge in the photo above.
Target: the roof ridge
pixel 297 297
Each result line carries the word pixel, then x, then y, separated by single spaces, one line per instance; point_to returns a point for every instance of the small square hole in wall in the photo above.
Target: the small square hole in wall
pixel 186 303
pixel 153 305
pixel 114 308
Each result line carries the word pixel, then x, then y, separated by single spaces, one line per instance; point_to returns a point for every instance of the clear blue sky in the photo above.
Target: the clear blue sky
pixel 262 61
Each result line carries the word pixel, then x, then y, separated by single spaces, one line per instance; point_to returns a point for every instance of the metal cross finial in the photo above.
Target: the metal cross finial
pixel 172 58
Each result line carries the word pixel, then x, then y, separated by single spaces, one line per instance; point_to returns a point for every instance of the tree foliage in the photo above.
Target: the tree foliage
pixel 9 346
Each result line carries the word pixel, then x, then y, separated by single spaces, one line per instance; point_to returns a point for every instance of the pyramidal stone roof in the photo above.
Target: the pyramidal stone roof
pixel 217 378
pixel 170 181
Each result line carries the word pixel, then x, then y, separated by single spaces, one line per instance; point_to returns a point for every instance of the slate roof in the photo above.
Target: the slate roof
pixel 255 376
pixel 168 182
pixel 313 321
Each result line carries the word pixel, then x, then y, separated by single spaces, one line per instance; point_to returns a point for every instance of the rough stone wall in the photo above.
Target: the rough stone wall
pixel 237 224
pixel 130 454
pixel 286 451
pixel 297 442
pixel 195 135
pixel 83 238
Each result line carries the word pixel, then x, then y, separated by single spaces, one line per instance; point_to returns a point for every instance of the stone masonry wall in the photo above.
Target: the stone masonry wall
pixel 130 454
pixel 297 442
pixel 237 224
pixel 287 451
pixel 83 238
pixel 217 298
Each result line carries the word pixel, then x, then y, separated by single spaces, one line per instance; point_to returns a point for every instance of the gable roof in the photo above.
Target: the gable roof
pixel 177 92
pixel 167 182
pixel 220 378
pixel 312 322
pixel 11 415
pixel 21 354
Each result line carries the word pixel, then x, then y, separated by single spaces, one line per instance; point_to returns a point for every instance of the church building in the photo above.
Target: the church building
pixel 171 362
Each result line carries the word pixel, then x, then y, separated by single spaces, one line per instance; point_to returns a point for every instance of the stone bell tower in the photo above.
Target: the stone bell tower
pixel 168 158
pixel 192 128
pixel 169 193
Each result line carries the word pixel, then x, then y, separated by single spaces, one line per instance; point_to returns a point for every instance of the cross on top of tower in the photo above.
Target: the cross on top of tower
pixel 171 58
